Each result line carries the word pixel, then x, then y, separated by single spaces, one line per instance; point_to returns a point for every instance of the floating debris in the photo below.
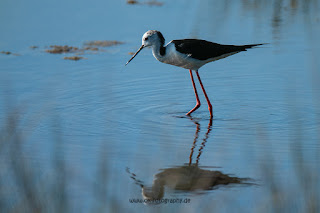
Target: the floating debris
pixel 132 2
pixel 6 52
pixel 93 46
pixel 34 47
pixel 152 2
pixel 102 43
pixel 57 49
pixel 9 53
pixel 130 53
pixel 74 58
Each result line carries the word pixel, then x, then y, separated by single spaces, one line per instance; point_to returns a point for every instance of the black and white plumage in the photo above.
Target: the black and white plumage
pixel 189 54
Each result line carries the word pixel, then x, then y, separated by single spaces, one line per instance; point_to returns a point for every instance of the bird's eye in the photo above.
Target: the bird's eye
pixel 146 38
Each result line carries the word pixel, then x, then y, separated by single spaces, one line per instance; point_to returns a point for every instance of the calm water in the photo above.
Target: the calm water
pixel 131 119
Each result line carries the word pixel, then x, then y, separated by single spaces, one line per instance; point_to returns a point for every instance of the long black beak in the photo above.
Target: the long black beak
pixel 135 54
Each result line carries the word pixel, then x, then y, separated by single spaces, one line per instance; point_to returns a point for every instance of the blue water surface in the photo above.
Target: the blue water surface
pixel 265 101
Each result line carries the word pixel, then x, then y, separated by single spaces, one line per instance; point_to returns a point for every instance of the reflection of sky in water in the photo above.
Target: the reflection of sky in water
pixel 263 99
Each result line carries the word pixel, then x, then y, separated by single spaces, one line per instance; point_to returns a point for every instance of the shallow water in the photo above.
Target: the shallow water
pixel 132 118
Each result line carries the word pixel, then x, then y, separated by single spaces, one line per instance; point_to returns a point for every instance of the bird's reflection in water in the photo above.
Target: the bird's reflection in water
pixel 196 136
pixel 189 177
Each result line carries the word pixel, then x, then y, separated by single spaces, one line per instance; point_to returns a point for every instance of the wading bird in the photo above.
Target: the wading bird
pixel 190 54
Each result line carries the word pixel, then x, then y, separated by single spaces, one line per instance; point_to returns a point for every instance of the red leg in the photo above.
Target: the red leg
pixel 197 97
pixel 205 94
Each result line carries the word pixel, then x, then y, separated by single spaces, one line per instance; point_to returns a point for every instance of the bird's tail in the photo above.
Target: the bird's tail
pixel 248 46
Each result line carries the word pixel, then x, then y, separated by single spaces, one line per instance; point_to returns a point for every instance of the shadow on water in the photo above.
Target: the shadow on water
pixel 189 177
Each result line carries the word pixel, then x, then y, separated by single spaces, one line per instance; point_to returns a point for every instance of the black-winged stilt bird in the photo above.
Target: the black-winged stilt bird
pixel 190 54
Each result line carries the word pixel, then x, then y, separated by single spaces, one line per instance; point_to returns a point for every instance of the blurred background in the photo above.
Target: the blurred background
pixel 92 135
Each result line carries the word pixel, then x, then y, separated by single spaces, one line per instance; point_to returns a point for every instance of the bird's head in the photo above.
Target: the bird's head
pixel 152 37
pixel 149 39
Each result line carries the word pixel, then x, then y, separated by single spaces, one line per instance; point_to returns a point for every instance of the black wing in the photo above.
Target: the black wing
pixel 203 50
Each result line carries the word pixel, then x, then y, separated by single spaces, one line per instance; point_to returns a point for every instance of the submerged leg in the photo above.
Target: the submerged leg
pixel 205 94
pixel 196 93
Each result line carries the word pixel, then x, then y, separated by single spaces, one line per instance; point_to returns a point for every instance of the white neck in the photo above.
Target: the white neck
pixel 156 52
